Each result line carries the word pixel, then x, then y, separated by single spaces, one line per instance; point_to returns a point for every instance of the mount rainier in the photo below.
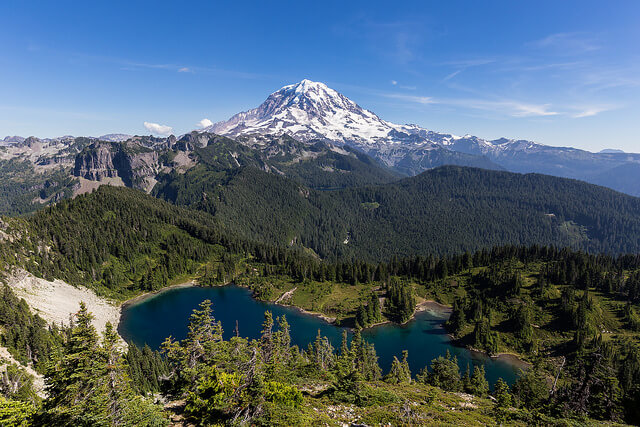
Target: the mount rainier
pixel 309 111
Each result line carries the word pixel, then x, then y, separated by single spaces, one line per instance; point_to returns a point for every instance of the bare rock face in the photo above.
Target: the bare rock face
pixel 136 165
pixel 96 162
pixel 137 168
pixel 195 140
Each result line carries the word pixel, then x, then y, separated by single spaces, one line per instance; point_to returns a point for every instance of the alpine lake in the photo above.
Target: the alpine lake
pixel 152 319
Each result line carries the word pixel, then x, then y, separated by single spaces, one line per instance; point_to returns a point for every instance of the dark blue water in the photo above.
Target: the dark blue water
pixel 167 314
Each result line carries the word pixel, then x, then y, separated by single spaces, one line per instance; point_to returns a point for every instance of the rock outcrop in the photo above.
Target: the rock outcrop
pixel 136 165
pixel 96 162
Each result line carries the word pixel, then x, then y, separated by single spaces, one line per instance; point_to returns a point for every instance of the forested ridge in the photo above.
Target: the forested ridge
pixel 445 210
pixel 25 190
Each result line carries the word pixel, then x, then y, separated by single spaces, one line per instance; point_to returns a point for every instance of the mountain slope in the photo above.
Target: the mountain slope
pixel 40 172
pixel 317 164
pixel 445 210
pixel 308 110
pixel 311 110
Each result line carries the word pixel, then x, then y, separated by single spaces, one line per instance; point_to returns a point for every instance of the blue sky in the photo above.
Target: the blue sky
pixel 558 72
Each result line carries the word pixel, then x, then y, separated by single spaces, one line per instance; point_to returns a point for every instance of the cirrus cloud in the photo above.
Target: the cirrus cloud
pixel 158 128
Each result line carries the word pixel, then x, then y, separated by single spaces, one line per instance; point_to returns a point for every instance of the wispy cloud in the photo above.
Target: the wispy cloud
pixel 507 107
pixel 568 43
pixel 463 64
pixel 132 65
pixel 611 77
pixel 590 111
pixel 406 87
pixel 504 106
pixel 56 111
pixel 519 109
pixel 158 128
pixel 398 41
pixel 410 98
pixel 470 62
pixel 451 75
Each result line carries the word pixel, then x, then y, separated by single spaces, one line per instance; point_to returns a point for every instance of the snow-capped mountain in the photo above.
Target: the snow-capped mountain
pixel 310 110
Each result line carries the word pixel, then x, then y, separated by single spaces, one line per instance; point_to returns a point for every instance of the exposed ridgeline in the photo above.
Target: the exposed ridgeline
pixel 317 164
pixel 40 172
pixel 27 187
pixel 445 210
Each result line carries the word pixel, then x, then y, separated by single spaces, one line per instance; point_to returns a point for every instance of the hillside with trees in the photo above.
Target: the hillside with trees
pixel 445 210
pixel 573 315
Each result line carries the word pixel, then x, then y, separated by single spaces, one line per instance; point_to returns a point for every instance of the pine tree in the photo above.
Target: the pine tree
pixel 267 346
pixel 283 339
pixel 88 384
pixel 201 347
pixel 75 393
pixel 406 371
pixel 396 374
pixel 348 384
pixel 444 373
pixel 478 384
pixel 466 380
pixel 503 401
pixel 321 353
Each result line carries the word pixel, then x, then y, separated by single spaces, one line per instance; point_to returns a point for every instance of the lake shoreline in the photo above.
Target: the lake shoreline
pixel 145 296
pixel 427 305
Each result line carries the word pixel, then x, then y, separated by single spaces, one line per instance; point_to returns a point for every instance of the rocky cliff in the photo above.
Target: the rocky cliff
pixel 136 165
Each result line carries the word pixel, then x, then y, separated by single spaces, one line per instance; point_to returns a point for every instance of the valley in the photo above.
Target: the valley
pixel 509 299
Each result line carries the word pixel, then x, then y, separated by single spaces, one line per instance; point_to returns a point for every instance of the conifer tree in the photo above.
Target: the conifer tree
pixel 406 371
pixel 396 374
pixel 88 384
pixel 503 401
pixel 478 383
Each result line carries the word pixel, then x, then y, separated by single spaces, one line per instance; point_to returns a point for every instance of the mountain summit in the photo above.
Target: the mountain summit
pixel 311 110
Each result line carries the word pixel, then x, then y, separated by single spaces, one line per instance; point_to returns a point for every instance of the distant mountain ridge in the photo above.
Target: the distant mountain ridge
pixel 307 132
pixel 311 110
pixel 36 172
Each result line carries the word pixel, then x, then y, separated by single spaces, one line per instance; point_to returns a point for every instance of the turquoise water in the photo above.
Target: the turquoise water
pixel 166 314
